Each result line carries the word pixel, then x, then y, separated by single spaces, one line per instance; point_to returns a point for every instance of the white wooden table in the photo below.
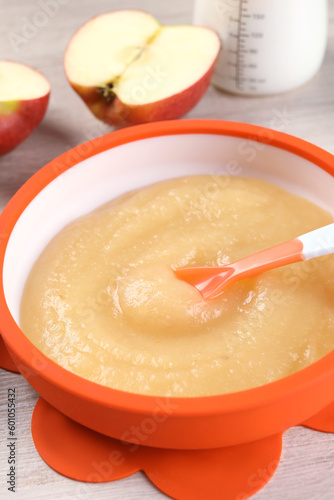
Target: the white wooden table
pixel 306 470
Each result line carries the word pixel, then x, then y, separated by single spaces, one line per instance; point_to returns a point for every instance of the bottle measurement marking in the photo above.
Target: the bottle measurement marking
pixel 238 75
pixel 243 37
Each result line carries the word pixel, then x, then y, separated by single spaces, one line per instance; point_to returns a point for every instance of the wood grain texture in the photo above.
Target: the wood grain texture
pixel 306 471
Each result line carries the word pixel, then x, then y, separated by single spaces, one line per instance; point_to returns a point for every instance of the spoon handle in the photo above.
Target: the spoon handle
pixel 318 242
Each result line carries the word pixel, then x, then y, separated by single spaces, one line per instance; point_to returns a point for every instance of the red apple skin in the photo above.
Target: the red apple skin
pixel 18 125
pixel 117 113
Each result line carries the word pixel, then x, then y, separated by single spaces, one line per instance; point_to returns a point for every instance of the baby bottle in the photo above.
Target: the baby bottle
pixel 268 46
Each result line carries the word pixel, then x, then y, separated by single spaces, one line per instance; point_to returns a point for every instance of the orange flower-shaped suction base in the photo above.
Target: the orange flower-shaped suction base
pixel 235 472
pixel 232 473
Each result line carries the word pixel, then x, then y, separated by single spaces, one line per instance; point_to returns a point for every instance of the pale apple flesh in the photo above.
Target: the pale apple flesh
pixel 24 96
pixel 130 69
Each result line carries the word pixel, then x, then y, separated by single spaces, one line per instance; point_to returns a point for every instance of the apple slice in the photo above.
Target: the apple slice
pixel 130 69
pixel 24 96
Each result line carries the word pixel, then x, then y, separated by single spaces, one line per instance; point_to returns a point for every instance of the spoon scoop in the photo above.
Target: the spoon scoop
pixel 212 281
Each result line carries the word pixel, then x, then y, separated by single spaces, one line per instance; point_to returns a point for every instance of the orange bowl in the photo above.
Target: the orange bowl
pixel 92 173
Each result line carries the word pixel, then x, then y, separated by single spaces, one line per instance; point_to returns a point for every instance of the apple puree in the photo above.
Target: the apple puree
pixel 103 302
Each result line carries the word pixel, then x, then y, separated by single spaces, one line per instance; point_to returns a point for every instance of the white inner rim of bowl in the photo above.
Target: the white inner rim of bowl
pixel 104 176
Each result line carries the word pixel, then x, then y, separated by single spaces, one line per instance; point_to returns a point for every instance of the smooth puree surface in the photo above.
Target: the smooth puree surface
pixel 103 302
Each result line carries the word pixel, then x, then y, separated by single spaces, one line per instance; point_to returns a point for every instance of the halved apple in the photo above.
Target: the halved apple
pixel 24 97
pixel 130 69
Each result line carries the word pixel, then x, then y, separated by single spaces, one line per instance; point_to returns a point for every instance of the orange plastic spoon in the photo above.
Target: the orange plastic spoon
pixel 212 281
